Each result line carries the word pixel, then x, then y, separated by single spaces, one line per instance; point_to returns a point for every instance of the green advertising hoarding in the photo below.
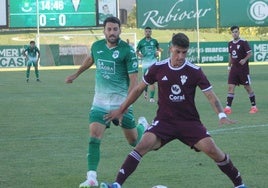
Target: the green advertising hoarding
pixel 56 13
pixel 243 13
pixel 174 14
pixel 56 55
pixel 217 52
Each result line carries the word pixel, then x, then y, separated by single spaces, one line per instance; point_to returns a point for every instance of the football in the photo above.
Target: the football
pixel 159 186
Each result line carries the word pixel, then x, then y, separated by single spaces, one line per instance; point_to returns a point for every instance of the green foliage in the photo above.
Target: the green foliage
pixel 131 20
pixel 44 135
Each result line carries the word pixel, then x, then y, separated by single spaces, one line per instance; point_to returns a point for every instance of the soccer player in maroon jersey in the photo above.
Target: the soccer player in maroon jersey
pixel 177 116
pixel 239 54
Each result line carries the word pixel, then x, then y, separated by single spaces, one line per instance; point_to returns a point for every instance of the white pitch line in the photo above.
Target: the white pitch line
pixel 220 131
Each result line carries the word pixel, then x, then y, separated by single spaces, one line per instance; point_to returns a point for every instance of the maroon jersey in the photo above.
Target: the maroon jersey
pixel 176 89
pixel 239 50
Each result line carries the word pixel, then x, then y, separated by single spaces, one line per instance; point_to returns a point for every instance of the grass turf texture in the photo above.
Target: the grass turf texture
pixel 44 133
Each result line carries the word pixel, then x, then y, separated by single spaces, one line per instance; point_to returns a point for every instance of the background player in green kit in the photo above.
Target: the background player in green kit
pixel 116 75
pixel 148 50
pixel 31 52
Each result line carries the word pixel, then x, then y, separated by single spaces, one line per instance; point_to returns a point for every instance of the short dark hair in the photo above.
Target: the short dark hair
pixel 32 42
pixel 112 19
pixel 234 27
pixel 181 40
pixel 148 28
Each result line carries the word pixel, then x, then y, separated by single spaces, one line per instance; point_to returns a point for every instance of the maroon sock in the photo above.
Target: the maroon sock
pixel 252 99
pixel 230 170
pixel 230 98
pixel 128 166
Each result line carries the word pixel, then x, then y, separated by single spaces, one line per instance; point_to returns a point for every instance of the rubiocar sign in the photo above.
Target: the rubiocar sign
pixel 173 14
pixel 176 14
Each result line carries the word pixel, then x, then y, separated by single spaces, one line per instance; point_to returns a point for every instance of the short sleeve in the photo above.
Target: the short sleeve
pixel 132 61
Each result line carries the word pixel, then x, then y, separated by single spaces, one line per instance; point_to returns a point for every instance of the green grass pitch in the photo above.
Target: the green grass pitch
pixel 44 135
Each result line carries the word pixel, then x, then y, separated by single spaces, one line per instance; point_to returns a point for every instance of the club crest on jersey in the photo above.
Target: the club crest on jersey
pixel 116 54
pixel 175 94
pixel 183 79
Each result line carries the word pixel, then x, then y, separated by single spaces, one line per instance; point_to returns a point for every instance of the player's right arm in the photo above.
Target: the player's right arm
pixel 88 62
pixel 25 54
pixel 230 62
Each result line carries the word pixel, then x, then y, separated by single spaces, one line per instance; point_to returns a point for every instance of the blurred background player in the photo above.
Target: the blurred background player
pixel 239 54
pixel 116 75
pixel 104 14
pixel 32 54
pixel 148 50
pixel 177 117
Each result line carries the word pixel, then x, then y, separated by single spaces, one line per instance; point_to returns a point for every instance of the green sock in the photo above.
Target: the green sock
pixel 37 74
pixel 28 73
pixel 152 94
pixel 93 153
pixel 140 130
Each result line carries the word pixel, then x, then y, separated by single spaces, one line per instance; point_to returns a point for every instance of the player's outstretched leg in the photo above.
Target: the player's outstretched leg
pixel 227 167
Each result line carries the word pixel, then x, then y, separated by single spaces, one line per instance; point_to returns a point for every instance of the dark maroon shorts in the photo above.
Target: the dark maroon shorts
pixel 239 78
pixel 188 132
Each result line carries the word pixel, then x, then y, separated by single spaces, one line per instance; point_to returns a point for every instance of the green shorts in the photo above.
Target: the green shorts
pixel 97 114
pixel 31 63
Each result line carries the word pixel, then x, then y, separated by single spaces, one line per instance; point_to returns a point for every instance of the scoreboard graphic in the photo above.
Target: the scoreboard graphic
pixel 52 13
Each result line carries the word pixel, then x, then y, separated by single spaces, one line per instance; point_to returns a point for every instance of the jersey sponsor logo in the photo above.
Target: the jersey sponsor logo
pixel 183 79
pixel 115 54
pixel 234 55
pixel 149 49
pixel 106 67
pixel 175 91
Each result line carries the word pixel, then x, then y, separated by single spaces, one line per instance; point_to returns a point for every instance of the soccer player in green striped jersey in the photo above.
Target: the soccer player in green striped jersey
pixel 148 50
pixel 32 54
pixel 116 75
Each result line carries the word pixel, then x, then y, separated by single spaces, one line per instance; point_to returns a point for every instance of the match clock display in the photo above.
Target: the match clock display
pixel 52 13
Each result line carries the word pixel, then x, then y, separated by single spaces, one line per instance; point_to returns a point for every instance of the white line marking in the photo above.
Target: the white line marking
pixel 221 131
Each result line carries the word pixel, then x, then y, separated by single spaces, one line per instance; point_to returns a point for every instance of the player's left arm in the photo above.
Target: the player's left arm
pixel 132 68
pixel 158 49
pixel 217 107
pixel 245 59
pixel 133 81
pixel 25 53
pixel 247 49
pixel 38 57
